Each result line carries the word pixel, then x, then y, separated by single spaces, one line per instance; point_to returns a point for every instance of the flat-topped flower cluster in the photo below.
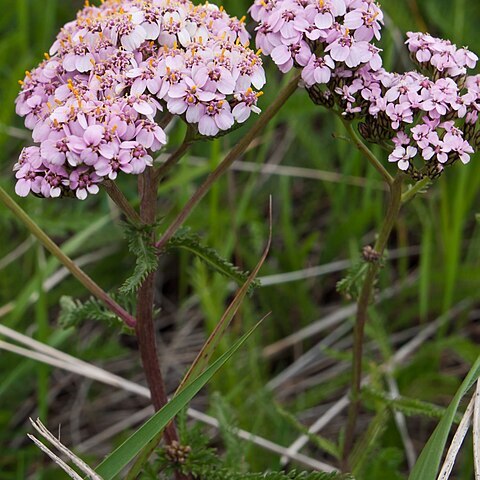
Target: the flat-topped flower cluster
pixel 92 103
pixel 319 35
pixel 427 118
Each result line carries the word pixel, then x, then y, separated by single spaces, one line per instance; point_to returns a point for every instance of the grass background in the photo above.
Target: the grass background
pixel 321 215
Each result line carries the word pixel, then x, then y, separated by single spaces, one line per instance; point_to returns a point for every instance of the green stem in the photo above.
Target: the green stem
pixel 369 155
pixel 121 201
pixel 233 155
pixel 412 192
pixel 394 205
pixel 66 261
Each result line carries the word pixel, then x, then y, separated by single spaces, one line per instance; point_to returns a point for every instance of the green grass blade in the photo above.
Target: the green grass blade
pixel 213 341
pixel 126 452
pixel 428 463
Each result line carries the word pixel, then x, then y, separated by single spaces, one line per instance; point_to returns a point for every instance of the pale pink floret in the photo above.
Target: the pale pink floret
pixel 215 116
pixel 318 70
pixel 247 103
pixel 327 11
pixel 454 140
pixel 437 148
pixel 28 171
pixel 84 182
pixel 86 146
pixel 350 51
pixel 80 59
pixel 187 97
pixel 402 156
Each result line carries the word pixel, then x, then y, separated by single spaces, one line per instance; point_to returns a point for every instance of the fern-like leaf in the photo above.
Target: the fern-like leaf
pixel 293 475
pixel 351 285
pixel 191 242
pixel 405 405
pixel 140 244
pixel 320 442
pixel 204 463
pixel 74 312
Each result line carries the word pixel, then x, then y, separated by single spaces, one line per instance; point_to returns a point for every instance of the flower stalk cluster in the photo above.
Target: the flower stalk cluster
pixel 92 103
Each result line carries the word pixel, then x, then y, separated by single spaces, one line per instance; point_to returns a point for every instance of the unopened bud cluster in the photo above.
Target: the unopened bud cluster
pixel 92 103
pixel 176 453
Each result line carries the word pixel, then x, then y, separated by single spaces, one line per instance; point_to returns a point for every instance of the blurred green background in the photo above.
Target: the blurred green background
pixel 325 210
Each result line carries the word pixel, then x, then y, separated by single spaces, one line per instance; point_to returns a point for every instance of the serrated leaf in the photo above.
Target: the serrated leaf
pixel 191 243
pixel 209 347
pixel 73 312
pixel 129 449
pixel 351 285
pixel 428 463
pixel 140 244
pixel 405 405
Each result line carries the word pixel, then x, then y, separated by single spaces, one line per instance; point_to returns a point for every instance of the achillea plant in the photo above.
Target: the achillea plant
pixel 99 104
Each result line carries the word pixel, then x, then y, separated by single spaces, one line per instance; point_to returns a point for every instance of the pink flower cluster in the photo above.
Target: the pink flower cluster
pixel 319 36
pixel 92 103
pixel 433 119
pixel 429 116
pixel 439 57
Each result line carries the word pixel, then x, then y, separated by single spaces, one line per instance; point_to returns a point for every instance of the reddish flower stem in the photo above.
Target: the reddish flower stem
pixel 145 328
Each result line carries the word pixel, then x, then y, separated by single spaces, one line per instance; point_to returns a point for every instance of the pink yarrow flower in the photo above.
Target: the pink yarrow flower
pixel 93 104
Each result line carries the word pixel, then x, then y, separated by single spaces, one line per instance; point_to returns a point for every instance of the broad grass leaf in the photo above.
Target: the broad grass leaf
pixel 126 452
pixel 428 463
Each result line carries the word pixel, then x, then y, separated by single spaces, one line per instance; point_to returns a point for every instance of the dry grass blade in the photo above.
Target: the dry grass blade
pixel 332 267
pixel 63 273
pixel 457 441
pixel 17 253
pixel 400 356
pixel 43 353
pixel 476 432
pixel 42 430
pixel 329 321
pixel 66 468
pixel 266 444
pixel 402 424
pixel 295 172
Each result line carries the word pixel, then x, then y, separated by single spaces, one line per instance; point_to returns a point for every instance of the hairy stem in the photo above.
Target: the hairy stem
pixel 394 205
pixel 233 155
pixel 369 155
pixel 145 329
pixel 121 202
pixel 66 261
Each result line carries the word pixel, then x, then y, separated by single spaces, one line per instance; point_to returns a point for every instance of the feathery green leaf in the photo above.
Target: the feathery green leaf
pixel 141 245
pixel 191 242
